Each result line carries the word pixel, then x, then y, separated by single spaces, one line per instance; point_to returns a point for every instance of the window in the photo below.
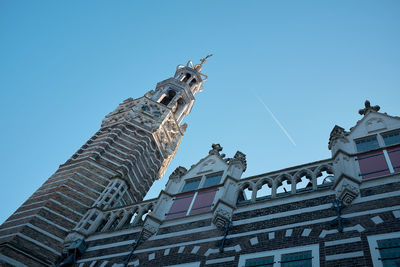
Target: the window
pixel 373 165
pixel 203 201
pixel 297 256
pixel 180 206
pixel 367 144
pixel 191 185
pixel 389 251
pixel 263 262
pixel 392 138
pixel 385 249
pixel 297 259
pixel 212 180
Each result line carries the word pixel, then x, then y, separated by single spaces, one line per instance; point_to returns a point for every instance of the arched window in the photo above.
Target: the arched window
pixel 167 98
pixel 192 82
pixel 186 78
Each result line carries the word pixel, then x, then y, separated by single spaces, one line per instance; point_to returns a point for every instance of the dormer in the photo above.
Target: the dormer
pixel 371 149
pixel 198 189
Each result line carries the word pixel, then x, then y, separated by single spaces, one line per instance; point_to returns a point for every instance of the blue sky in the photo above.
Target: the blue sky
pixel 66 64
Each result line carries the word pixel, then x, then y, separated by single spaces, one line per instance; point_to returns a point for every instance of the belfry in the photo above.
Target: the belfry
pixel 115 167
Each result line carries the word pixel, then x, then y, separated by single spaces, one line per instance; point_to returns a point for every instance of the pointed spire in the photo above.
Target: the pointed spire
pixel 368 108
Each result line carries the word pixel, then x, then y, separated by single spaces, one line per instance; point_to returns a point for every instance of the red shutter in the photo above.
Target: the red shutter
pixel 203 201
pixel 373 165
pixel 394 155
pixel 180 206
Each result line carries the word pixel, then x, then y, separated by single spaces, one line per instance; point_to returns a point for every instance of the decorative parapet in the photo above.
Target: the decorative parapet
pixel 292 175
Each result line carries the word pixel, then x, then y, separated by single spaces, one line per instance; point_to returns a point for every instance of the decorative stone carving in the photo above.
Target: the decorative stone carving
pixel 221 216
pixel 368 108
pixel 239 157
pixel 150 227
pixel 347 192
pixel 216 148
pixel 375 124
pixel 177 174
pixel 337 133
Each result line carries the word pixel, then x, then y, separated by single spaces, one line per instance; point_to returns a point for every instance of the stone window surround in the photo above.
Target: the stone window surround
pixel 379 137
pixel 373 244
pixel 202 180
pixel 278 254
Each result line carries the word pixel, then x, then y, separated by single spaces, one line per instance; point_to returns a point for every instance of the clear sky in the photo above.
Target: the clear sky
pixel 64 65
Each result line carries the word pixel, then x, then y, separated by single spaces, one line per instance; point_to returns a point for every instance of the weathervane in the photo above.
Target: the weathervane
pixel 203 60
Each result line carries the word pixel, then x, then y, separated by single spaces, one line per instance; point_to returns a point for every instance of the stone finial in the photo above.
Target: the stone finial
pixel 216 148
pixel 178 173
pixel 368 108
pixel 240 157
pixel 336 133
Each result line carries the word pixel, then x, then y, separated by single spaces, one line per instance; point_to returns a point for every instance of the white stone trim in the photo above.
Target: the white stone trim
pixel 11 261
pixel 70 198
pixel 189 264
pixel 283 214
pixel 396 213
pixel 377 219
pixel 65 207
pixel 271 235
pixel 152 256
pixel 283 200
pixel 349 255
pixel 220 260
pixel 38 243
pixel 288 232
pixel 358 228
pixel 166 252
pixel 306 232
pixel 278 254
pixel 254 241
pixel 195 249
pixel 181 249
pixel 373 244
pixel 342 241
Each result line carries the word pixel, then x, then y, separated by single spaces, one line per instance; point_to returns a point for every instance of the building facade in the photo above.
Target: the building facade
pixel 340 211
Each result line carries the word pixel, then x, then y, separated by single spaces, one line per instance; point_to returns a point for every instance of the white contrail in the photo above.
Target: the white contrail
pixel 276 120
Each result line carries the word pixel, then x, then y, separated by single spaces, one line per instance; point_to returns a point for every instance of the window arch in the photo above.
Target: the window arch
pixel 168 97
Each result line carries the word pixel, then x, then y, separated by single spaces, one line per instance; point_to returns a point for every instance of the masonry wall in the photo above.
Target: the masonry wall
pixel 303 219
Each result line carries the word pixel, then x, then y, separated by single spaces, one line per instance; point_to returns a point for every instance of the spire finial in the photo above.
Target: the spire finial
pixel 203 60
pixel 368 108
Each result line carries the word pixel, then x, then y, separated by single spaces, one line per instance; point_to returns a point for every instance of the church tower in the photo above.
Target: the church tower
pixel 115 167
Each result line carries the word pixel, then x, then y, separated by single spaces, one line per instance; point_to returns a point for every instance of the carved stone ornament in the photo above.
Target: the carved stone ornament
pixel 177 174
pixel 148 230
pixel 221 216
pixel 368 108
pixel 347 193
pixel 216 148
pixel 336 133
pixel 239 157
